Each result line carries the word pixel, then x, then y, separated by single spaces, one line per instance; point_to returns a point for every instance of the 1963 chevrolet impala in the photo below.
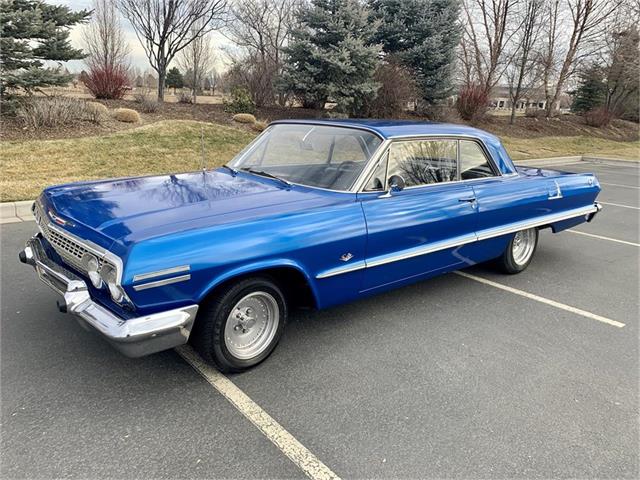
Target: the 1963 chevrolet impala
pixel 311 213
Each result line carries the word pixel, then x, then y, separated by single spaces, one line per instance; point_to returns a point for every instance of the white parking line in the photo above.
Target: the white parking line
pixel 620 185
pixel 619 205
pixel 286 443
pixel 537 298
pixel 603 238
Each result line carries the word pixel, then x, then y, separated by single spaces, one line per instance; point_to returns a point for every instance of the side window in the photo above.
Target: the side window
pixel 378 179
pixel 423 162
pixel 473 161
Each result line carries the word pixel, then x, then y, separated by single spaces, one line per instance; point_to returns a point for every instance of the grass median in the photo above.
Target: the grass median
pixel 174 146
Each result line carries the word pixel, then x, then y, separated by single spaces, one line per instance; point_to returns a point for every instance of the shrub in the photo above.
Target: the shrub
pixel 240 102
pixel 51 112
pixel 472 102
pixel 397 89
pixel 126 115
pixel 259 126
pixel 185 97
pixel 147 104
pixel 598 117
pixel 109 82
pixel 97 107
pixel 244 118
pixel 96 112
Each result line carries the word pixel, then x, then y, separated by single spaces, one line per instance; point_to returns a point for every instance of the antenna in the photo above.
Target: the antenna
pixel 204 160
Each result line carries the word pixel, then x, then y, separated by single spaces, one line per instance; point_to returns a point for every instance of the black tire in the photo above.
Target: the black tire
pixel 507 261
pixel 208 335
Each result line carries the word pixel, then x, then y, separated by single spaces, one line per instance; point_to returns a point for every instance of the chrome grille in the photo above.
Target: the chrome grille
pixel 69 249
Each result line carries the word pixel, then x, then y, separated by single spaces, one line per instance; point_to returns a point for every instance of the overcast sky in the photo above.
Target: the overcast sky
pixel 137 55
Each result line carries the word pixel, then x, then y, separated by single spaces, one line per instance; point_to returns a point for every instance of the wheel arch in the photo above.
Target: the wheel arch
pixel 290 276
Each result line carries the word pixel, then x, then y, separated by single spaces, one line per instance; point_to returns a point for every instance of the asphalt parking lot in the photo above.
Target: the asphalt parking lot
pixel 452 377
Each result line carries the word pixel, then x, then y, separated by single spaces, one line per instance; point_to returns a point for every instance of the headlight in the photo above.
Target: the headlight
pixel 92 266
pixel 110 277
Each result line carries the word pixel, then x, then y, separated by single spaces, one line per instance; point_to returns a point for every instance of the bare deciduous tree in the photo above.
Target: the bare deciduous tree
pixel 103 37
pixel 525 39
pixel 586 22
pixel 260 28
pixel 165 27
pixel 487 30
pixel 196 60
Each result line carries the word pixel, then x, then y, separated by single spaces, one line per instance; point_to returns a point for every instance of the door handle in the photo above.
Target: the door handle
pixel 468 199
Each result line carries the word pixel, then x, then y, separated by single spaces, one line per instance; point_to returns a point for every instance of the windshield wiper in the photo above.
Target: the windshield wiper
pixel 265 174
pixel 231 169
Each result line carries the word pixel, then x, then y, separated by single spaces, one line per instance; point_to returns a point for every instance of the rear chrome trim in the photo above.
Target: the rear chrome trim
pixel 161 273
pixel 537 222
pixel 161 283
pixel 588 212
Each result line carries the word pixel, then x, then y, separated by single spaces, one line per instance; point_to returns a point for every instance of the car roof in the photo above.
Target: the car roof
pixel 400 128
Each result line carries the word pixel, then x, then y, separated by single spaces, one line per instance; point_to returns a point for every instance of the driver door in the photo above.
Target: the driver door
pixel 410 227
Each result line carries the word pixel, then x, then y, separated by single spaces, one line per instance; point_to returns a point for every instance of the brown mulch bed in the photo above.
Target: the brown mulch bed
pixel 525 127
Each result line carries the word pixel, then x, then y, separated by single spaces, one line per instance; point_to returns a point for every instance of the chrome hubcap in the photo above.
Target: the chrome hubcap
pixel 523 245
pixel 251 325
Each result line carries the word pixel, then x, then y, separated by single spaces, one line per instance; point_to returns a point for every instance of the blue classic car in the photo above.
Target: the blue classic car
pixel 311 213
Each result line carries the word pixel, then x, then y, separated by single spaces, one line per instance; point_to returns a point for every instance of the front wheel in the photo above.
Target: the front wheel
pixel 518 254
pixel 241 325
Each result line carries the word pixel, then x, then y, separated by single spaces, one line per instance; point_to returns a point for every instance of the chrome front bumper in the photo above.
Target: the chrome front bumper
pixel 134 337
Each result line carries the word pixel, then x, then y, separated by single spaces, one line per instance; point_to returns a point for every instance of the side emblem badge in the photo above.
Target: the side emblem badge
pixel 346 257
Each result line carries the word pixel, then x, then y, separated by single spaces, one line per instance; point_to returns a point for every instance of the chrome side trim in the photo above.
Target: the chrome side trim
pixel 422 250
pixel 587 211
pixel 160 273
pixel 537 222
pixel 160 283
pixel 340 270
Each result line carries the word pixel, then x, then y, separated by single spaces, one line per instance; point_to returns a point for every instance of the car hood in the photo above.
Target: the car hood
pixel 133 209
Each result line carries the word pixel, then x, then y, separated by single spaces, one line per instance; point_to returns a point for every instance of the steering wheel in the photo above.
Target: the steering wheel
pixel 340 168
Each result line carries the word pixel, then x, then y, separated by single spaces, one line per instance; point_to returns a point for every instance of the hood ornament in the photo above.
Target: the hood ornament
pixel 59 220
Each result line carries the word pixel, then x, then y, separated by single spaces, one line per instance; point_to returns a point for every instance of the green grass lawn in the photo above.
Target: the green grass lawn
pixel 168 146
pixel 546 147
pixel 174 146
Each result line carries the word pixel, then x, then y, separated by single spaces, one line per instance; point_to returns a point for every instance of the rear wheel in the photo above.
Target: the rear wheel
pixel 241 325
pixel 518 254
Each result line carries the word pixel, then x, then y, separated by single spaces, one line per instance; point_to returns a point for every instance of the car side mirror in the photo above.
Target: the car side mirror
pixel 396 183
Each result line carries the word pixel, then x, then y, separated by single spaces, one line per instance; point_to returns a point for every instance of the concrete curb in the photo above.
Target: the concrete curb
pixel 13 212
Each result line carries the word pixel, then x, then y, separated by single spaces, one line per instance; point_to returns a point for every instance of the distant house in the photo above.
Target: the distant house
pixel 532 98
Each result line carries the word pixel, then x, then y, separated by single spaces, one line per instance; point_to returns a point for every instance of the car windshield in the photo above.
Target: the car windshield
pixel 314 155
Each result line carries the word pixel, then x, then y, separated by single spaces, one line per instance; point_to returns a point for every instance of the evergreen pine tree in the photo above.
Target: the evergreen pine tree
pixel 423 35
pixel 174 79
pixel 591 91
pixel 330 57
pixel 32 32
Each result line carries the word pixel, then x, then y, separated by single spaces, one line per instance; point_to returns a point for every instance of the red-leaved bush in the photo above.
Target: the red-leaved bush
pixel 472 102
pixel 598 117
pixel 107 82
